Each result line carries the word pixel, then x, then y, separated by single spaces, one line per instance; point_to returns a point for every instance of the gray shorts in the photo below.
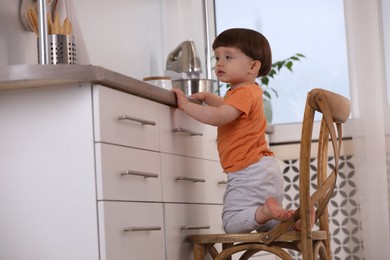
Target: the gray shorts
pixel 247 190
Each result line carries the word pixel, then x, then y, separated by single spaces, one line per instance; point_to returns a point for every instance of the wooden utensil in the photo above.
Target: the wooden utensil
pixel 56 28
pixel 53 27
pixel 49 24
pixel 32 19
pixel 67 27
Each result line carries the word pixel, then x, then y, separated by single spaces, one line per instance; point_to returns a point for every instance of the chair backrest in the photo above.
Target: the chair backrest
pixel 335 110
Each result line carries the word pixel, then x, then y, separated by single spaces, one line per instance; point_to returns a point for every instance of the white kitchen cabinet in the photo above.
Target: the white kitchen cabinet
pixel 182 135
pixel 127 174
pixel 131 230
pixel 47 175
pixel 191 180
pixel 78 181
pixel 125 119
pixel 180 167
pixel 182 220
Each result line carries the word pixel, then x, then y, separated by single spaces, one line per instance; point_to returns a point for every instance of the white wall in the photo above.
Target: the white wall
pixel 17 46
pixel 368 96
pixel 135 37
pixel 131 37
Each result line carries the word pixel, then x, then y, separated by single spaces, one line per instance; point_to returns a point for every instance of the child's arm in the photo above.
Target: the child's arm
pixel 216 116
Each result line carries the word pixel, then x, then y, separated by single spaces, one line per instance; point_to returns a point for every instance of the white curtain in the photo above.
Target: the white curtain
pixel 369 110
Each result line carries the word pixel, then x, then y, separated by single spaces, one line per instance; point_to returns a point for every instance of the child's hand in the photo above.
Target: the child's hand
pixel 180 97
pixel 200 96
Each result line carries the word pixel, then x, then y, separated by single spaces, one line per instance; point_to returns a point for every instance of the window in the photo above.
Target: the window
pixel 315 29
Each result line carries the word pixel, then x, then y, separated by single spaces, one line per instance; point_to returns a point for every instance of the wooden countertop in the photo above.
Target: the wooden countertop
pixel 35 75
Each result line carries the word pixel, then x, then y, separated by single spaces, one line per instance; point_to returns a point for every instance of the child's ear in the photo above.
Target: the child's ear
pixel 255 67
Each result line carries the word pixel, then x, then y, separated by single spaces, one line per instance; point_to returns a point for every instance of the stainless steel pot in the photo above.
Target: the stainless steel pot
pixel 192 86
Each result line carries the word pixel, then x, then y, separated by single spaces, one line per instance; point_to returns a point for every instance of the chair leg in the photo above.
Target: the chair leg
pixel 319 250
pixel 227 245
pixel 199 251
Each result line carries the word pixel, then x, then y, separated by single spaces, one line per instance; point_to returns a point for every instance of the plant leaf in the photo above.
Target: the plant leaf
pixel 267 94
pixel 280 64
pixel 275 70
pixel 272 73
pixel 275 92
pixel 289 65
pixel 265 80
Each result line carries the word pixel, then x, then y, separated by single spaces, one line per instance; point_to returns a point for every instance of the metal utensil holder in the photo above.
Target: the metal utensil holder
pixel 53 48
pixel 62 49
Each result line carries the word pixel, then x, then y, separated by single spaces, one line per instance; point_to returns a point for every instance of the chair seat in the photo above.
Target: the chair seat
pixel 252 237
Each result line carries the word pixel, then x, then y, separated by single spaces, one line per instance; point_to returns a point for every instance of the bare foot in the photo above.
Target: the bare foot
pixel 297 226
pixel 272 210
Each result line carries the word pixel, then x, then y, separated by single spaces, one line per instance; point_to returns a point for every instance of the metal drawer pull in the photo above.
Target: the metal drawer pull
pixel 129 229
pixel 186 131
pixel 142 121
pixel 183 178
pixel 222 182
pixel 192 227
pixel 142 174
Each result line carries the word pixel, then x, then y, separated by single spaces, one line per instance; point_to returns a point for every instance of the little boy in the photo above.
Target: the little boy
pixel 254 192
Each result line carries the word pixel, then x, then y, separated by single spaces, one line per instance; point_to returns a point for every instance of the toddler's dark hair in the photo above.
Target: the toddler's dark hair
pixel 252 43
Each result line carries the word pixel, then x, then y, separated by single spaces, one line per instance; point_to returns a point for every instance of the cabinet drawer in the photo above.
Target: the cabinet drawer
pixel 182 220
pixel 130 230
pixel 183 135
pixel 186 179
pixel 124 119
pixel 127 173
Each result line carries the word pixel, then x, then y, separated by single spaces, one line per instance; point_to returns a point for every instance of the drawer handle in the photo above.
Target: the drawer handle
pixel 183 178
pixel 193 227
pixel 186 131
pixel 142 121
pixel 130 229
pixel 142 174
pixel 222 182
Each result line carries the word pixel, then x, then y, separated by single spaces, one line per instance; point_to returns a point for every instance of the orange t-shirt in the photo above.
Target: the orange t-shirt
pixel 242 142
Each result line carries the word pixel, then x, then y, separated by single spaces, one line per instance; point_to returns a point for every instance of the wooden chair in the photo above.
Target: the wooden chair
pixel 312 244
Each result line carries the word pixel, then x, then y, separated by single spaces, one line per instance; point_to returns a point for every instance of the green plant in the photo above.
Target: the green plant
pixel 275 70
